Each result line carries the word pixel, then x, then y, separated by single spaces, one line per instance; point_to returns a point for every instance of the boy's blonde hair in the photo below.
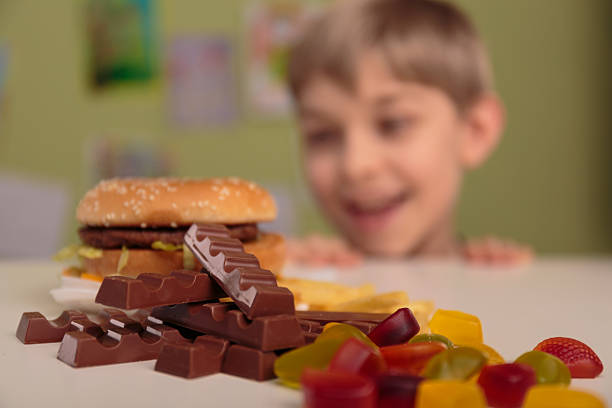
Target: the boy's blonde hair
pixel 425 41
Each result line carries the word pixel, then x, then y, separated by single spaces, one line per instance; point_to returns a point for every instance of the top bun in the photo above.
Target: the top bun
pixel 172 202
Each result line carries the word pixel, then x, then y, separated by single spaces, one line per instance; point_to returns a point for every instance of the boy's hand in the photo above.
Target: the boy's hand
pixel 316 250
pixel 495 251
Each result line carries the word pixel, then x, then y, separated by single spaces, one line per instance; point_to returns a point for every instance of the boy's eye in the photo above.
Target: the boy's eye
pixel 322 138
pixel 392 126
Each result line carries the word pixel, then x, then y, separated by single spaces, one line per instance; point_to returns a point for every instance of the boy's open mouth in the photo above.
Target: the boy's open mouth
pixel 374 214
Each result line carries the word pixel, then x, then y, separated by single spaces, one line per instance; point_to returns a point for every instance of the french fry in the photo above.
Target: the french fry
pixel 379 303
pixel 317 295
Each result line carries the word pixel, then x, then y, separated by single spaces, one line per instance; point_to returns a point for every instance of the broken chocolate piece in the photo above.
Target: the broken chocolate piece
pixel 123 342
pixel 34 328
pixel 203 357
pixel 254 290
pixel 152 289
pixel 249 363
pixel 211 354
pixel 266 333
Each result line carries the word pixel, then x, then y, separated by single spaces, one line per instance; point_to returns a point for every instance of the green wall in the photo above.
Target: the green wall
pixel 548 184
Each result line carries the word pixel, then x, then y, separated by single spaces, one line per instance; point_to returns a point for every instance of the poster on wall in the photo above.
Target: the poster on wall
pixel 270 29
pixel 3 76
pixel 114 155
pixel 120 43
pixel 201 82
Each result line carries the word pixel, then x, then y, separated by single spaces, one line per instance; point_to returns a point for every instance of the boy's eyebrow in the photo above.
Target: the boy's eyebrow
pixel 313 113
pixel 388 99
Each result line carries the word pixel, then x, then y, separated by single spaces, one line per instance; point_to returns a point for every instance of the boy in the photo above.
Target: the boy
pixel 395 102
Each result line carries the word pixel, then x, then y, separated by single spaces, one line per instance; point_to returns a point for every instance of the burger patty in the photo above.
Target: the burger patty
pixel 112 238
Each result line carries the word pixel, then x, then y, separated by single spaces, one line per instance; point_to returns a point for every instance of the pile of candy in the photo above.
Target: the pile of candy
pixel 392 366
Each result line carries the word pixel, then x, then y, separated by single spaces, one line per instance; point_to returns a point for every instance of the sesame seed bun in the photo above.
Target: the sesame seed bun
pixel 269 250
pixel 172 202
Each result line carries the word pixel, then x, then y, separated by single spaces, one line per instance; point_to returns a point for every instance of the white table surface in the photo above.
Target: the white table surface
pixel 518 308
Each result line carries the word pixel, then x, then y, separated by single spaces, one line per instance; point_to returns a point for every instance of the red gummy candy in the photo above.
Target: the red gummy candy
pixel 354 356
pixel 333 389
pixel 397 390
pixel 398 328
pixel 410 358
pixel 505 385
pixel 577 356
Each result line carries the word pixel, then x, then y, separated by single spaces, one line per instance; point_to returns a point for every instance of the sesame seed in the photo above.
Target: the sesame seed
pixel 173 224
pixel 143 225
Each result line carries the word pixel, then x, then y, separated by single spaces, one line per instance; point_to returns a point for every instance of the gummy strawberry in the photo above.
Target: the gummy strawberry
pixel 579 358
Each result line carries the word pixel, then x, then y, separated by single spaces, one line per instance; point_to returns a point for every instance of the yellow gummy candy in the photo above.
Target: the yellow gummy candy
pixel 449 394
pixel 461 328
pixel 493 357
pixel 555 396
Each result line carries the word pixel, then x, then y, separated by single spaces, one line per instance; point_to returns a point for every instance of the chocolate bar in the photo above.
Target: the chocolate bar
pixel 253 289
pixel 249 363
pixel 203 357
pixel 365 327
pixel 151 289
pixel 312 328
pixel 210 355
pixel 341 317
pixel 34 328
pixel 124 341
pixel 265 333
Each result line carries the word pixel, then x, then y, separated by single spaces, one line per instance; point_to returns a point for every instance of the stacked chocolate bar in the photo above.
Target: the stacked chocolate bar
pixel 231 317
pixel 242 337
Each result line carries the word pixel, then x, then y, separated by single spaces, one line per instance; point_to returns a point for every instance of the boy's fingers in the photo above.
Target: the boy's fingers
pixel 491 250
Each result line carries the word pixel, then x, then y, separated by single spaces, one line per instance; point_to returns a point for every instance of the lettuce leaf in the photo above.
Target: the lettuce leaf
pixel 66 253
pixel 188 259
pixel 163 246
pixel 73 250
pixel 89 252
pixel 123 259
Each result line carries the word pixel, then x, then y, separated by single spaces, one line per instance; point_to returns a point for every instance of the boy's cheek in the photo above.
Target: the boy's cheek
pixel 321 176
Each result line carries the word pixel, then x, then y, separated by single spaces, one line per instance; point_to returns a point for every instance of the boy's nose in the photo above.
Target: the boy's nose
pixel 361 156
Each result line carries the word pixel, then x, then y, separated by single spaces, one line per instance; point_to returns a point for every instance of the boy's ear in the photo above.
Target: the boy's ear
pixel 485 121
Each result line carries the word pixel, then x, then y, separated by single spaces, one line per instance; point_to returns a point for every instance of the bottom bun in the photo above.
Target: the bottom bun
pixel 268 248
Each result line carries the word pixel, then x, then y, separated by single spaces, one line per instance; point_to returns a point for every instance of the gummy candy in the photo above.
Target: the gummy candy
pixel 356 357
pixel 555 396
pixel 493 357
pixel 460 328
pixel 397 390
pixel 505 385
pixel 410 358
pixel 455 364
pixel 332 389
pixel 344 332
pixel 288 367
pixel 398 328
pixel 318 354
pixel 449 394
pixel 579 358
pixel 429 337
pixel 548 368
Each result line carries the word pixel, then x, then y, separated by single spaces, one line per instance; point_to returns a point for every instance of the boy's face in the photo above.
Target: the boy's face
pixel 383 159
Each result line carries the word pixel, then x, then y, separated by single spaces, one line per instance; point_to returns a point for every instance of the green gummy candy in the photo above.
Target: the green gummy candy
pixel 429 337
pixel 548 368
pixel 458 363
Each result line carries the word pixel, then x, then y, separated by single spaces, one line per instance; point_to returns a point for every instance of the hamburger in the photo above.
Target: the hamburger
pixel 136 225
